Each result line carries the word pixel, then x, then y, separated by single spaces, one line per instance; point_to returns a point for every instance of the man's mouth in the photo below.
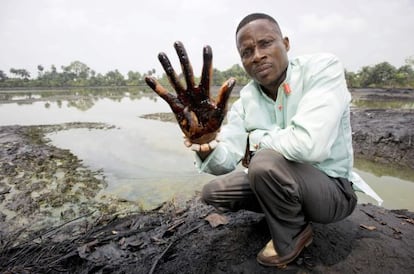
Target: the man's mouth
pixel 262 69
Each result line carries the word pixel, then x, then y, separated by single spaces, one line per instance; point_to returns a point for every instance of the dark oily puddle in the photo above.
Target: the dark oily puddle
pixel 144 160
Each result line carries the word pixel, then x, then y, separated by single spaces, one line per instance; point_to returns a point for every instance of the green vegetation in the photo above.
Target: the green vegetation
pixel 78 74
pixel 383 75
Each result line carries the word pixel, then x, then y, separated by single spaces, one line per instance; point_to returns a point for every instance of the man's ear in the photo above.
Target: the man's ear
pixel 286 43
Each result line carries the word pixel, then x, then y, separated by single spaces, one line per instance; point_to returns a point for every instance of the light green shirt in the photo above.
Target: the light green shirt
pixel 309 124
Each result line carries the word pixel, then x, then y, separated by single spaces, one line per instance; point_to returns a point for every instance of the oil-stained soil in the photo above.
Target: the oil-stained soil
pixel 182 240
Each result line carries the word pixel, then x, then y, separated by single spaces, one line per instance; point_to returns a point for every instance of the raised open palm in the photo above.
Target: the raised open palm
pixel 199 116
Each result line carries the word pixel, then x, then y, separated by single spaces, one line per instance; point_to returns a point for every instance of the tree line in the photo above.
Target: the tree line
pixel 383 75
pixel 78 74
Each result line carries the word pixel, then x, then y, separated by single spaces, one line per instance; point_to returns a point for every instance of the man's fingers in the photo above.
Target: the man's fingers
pixel 191 123
pixel 185 64
pixel 207 71
pixel 169 70
pixel 157 87
pixel 170 98
pixel 187 142
pixel 224 93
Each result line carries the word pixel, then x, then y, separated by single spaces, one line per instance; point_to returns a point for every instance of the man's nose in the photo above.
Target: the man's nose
pixel 258 54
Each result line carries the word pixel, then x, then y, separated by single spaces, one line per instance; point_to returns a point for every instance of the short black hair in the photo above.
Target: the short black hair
pixel 255 16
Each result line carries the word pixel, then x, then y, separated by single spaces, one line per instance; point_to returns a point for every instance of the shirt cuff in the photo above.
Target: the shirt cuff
pixel 214 157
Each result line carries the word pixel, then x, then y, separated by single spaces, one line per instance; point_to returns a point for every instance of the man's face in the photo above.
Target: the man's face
pixel 263 52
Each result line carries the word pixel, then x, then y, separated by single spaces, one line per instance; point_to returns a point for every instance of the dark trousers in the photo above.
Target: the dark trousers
pixel 290 194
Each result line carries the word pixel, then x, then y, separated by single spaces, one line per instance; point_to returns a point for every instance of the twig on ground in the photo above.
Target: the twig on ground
pixel 154 265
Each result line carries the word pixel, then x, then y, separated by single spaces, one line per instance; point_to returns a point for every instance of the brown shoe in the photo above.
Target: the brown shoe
pixel 269 257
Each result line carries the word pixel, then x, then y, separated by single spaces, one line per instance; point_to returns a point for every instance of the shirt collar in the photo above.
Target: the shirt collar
pixel 286 86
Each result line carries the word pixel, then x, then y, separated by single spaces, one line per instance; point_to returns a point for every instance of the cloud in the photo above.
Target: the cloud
pixel 128 35
pixel 331 23
pixel 360 33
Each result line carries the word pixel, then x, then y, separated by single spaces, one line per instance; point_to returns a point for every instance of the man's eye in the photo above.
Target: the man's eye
pixel 265 43
pixel 246 53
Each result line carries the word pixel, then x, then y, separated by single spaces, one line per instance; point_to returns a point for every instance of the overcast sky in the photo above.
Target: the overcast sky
pixel 128 34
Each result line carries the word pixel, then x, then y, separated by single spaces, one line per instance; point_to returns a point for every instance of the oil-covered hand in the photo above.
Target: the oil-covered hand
pixel 199 116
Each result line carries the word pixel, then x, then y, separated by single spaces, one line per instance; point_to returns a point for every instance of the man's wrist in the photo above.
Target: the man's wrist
pixel 205 139
pixel 206 147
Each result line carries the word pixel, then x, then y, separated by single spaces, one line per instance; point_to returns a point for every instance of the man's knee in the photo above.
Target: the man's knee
pixel 263 163
pixel 265 159
pixel 271 172
pixel 210 196
pixel 207 193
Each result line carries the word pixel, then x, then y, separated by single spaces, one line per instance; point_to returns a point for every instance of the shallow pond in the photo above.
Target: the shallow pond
pixel 144 160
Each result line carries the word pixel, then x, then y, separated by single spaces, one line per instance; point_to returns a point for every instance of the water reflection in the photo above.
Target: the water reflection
pixel 82 104
pixel 395 185
pixel 82 99
pixel 105 110
pixel 396 193
pixel 145 160
pixel 382 170
pixel 383 104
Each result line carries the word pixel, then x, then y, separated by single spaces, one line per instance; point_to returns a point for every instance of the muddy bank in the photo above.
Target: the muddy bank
pixel 384 135
pixel 43 186
pixel 383 125
pixel 182 240
pixel 382 94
